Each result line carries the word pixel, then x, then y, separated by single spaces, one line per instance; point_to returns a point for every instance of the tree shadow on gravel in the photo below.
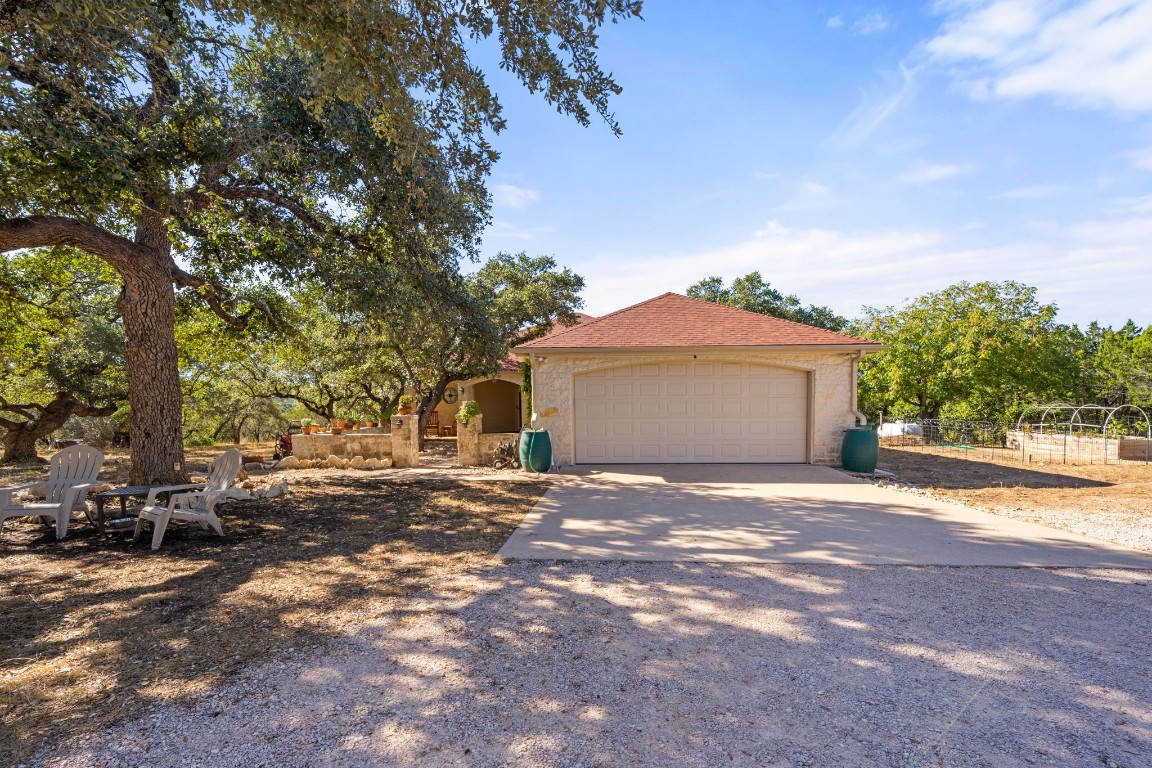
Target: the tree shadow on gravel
pixel 647 664
pixel 94 628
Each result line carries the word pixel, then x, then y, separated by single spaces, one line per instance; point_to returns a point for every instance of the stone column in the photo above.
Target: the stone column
pixel 406 440
pixel 468 441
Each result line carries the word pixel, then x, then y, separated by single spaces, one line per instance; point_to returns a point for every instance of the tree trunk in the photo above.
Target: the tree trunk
pixel 428 404
pixel 20 440
pixel 147 307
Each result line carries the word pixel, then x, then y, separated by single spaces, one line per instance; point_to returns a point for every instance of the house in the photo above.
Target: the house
pixel 681 380
pixel 499 396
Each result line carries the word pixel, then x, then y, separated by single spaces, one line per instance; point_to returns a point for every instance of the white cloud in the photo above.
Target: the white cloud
pixel 871 24
pixel 813 189
pixel 835 22
pixel 1141 158
pixel 1036 192
pixel 876 106
pixel 512 196
pixel 1093 53
pixel 1086 267
pixel 926 173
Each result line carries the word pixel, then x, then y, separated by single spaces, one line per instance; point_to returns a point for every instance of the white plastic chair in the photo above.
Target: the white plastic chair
pixel 71 474
pixel 199 505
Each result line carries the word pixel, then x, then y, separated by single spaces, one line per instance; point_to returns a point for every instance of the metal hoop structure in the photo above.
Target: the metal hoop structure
pixel 1072 420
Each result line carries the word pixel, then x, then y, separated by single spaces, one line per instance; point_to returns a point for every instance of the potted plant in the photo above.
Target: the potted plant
pixel 468 409
pixel 406 403
pixel 307 427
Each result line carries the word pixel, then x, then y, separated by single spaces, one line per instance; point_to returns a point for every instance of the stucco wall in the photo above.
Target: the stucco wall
pixel 830 392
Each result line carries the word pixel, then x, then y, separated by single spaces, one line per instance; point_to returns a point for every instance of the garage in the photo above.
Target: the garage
pixel 691 412
pixel 678 380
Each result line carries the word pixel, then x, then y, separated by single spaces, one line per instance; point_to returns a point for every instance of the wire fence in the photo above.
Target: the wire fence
pixel 1051 442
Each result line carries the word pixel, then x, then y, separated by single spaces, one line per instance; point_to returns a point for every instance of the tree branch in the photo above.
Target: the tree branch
pixel 44 231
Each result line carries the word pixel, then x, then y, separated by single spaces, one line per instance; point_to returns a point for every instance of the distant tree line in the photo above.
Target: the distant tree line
pixel 970 351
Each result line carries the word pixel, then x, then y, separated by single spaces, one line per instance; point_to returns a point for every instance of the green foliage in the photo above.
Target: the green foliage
pixel 526 383
pixel 751 293
pixel 468 410
pixel 60 335
pixel 1120 365
pixel 198 441
pixel 407 400
pixel 263 144
pixel 980 350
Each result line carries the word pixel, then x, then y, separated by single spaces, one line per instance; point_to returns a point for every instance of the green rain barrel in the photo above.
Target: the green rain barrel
pixel 861 450
pixel 535 450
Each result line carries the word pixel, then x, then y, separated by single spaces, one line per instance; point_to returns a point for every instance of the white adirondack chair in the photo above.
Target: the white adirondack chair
pixel 197 505
pixel 71 474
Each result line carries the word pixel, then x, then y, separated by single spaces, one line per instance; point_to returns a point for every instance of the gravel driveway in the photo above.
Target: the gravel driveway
pixel 658 664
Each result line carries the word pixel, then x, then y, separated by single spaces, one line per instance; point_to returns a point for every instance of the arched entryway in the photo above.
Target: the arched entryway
pixel 499 403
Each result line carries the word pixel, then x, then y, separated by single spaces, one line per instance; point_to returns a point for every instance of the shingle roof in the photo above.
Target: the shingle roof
pixel 672 320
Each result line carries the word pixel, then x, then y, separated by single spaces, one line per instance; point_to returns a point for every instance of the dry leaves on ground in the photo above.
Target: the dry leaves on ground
pixel 92 629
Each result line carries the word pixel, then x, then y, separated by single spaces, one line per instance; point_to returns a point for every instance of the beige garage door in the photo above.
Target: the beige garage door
pixel 691 412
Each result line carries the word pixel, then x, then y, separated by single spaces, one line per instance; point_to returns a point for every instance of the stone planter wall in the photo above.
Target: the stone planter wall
pixel 369 443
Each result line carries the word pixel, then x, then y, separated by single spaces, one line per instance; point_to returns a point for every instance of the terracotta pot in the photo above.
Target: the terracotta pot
pixel 338 423
pixel 337 430
pixel 404 410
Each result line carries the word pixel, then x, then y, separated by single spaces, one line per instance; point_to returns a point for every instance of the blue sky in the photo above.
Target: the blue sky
pixel 854 153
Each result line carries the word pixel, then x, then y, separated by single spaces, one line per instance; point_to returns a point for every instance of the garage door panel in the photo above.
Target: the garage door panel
pixel 693 411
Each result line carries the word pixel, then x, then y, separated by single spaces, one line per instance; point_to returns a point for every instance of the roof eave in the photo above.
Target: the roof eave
pixel 844 347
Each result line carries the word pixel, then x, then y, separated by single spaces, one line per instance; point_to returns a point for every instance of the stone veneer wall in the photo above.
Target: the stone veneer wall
pixel 830 398
pixel 490 443
pixel 477 448
pixel 370 445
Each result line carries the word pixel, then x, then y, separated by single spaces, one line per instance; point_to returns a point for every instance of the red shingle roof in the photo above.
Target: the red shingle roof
pixel 672 320
pixel 512 363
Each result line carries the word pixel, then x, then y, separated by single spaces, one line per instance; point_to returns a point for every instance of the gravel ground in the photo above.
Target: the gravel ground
pixel 607 664
pixel 1111 523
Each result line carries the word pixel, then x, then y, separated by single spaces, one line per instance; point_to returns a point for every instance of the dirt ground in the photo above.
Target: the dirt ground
pixel 94 628
pixel 1112 502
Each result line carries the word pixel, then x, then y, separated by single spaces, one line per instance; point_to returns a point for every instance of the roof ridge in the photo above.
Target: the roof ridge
pixel 595 320
pixel 774 317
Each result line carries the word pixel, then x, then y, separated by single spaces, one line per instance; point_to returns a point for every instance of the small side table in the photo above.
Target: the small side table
pixel 123 493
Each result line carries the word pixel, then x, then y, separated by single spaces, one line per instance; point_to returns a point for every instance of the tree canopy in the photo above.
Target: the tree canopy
pixel 230 149
pixel 969 350
pixel 752 293
pixel 61 346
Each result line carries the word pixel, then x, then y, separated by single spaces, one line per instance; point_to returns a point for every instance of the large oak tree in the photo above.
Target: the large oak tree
pixel 212 148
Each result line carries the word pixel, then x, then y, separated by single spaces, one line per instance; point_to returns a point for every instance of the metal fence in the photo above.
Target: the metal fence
pixel 1044 442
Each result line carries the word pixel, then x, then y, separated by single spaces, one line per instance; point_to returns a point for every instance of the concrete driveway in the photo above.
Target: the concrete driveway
pixel 763 513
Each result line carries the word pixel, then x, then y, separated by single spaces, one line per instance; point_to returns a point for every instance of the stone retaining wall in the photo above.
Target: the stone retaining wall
pixel 371 444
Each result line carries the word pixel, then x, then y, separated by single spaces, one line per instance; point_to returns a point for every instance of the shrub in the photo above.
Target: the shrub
pixel 468 409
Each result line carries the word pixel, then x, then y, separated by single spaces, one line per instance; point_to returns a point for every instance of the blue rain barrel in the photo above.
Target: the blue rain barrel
pixel 861 450
pixel 535 450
